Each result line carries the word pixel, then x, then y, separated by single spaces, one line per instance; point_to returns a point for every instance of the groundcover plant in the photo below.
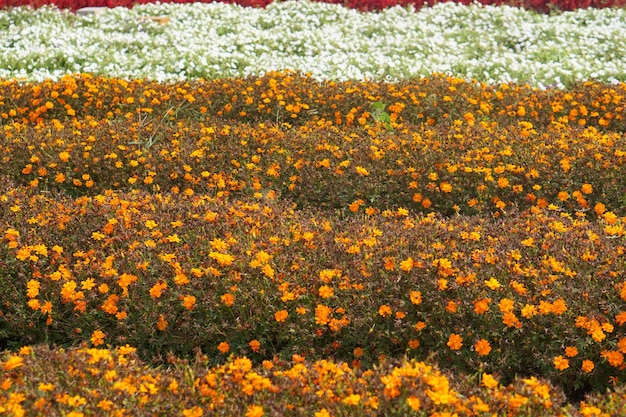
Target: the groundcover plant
pixel 216 40
pixel 289 244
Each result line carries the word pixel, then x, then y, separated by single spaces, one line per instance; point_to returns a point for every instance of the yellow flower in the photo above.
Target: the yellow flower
pixel 492 283
pixel 407 265
pixel 455 341
pixel 322 314
pixel 193 412
pixel 353 399
pixel 13 362
pixel 322 413
pixel 361 171
pixel 489 381
pixel 32 288
pixel 223 259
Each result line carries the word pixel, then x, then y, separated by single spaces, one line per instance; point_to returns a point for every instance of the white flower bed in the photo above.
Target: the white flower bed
pixel 490 44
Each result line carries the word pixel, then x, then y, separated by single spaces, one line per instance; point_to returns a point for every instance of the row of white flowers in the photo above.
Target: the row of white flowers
pixel 489 44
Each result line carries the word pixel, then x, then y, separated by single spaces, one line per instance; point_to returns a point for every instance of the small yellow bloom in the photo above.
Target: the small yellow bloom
pixel 13 362
pixel 353 399
pixel 361 171
pixel 489 381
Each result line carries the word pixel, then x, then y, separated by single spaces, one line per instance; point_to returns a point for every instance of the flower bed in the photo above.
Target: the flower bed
pixel 285 244
pixel 329 42
pixel 182 218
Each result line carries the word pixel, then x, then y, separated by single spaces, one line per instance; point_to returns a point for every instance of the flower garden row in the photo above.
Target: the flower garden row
pixel 441 144
pixel 330 42
pixel 540 293
pixel 365 5
pixel 478 227
pixel 92 381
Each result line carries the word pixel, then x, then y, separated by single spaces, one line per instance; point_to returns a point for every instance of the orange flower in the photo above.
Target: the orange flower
pixel 407 265
pixel 586 188
pixel 613 357
pixel 414 403
pixel 281 316
pixel 560 363
pixel 482 347
pixel 416 297
pixel 255 345
pixel 189 301
pixel 587 366
pixel 255 411
pixel 451 307
pixel 157 289
pixel 228 299
pixel 322 314
pixel 325 291
pixel 13 362
pixel 455 341
pixel 571 351
pixel 384 310
pixel 445 187
pixel 161 323
pixel 482 306
pixel 489 381
pixel 97 338
pixel 32 288
pixel 599 208
pixel 223 347
pixel 192 412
